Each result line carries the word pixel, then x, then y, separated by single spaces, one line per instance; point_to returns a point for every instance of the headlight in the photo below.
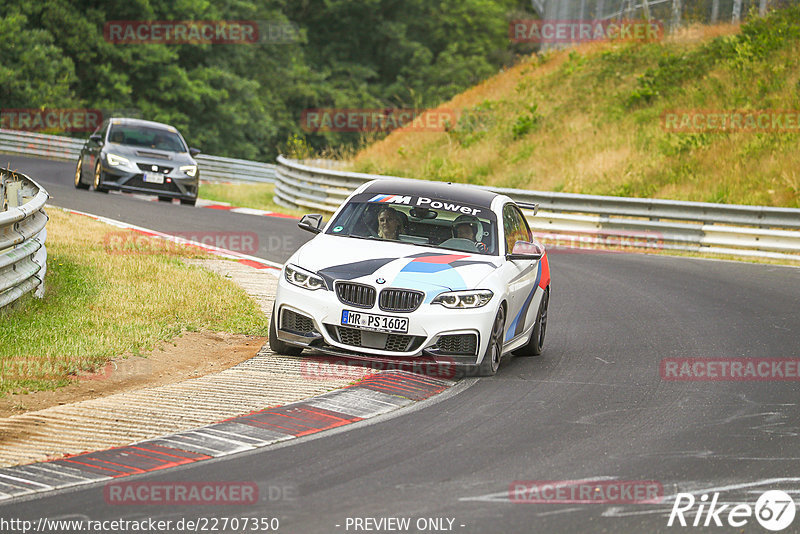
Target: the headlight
pixel 302 278
pixel 189 170
pixel 115 160
pixel 464 299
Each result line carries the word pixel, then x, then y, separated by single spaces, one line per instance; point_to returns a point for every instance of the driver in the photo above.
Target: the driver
pixel 389 223
pixel 466 227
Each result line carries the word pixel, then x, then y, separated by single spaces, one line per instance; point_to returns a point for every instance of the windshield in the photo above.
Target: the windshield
pixel 421 221
pixel 146 137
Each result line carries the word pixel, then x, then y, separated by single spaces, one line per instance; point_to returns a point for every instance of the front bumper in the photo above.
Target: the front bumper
pixel 312 319
pixel 176 183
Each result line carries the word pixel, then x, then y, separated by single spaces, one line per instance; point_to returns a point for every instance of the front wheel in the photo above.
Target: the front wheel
pixel 79 175
pixel 98 179
pixel 491 358
pixel 276 344
pixel 189 201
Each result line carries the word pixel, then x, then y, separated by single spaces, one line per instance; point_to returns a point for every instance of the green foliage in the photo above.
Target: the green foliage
pixel 758 39
pixel 527 122
pixel 677 144
pixel 473 124
pixel 244 100
pixel 575 62
pixel 298 148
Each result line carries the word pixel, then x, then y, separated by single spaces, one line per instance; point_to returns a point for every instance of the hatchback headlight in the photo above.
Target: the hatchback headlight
pixel 117 161
pixel 302 278
pixel 189 170
pixel 464 299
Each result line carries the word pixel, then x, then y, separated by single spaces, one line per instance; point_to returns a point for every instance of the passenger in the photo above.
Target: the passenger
pixel 389 224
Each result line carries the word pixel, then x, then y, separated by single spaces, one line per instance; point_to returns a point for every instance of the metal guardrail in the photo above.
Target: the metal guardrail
pixel 578 220
pixel 23 256
pixel 217 169
pixel 212 168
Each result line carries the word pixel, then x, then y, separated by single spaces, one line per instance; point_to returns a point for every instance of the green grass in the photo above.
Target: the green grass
pixel 588 120
pixel 256 196
pixel 102 302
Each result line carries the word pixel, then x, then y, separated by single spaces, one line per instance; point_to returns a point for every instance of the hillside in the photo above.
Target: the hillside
pixel 590 120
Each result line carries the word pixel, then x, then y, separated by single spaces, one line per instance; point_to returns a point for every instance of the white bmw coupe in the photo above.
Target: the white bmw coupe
pixel 409 268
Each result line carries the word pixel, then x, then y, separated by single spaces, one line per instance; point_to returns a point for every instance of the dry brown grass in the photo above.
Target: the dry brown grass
pixel 588 140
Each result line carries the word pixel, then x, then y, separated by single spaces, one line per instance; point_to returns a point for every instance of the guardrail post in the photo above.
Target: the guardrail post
pixel 737 12
pixel 677 10
pixel 13 193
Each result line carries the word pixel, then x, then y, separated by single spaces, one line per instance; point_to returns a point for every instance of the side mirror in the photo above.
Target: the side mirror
pixel 97 138
pixel 524 250
pixel 194 151
pixel 311 223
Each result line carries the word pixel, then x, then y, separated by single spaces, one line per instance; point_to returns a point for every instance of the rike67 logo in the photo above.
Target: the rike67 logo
pixel 774 510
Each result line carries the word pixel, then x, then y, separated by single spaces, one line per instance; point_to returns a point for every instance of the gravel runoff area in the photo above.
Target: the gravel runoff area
pixel 263 381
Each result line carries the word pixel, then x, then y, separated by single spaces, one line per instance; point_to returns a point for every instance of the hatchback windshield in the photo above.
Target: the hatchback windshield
pixel 423 221
pixel 146 137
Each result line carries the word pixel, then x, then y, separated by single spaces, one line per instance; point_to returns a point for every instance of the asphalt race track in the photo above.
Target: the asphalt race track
pixel 593 406
pixel 278 237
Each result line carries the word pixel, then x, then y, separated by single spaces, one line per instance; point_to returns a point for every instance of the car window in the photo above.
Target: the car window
pixel 419 221
pixel 146 137
pixel 515 227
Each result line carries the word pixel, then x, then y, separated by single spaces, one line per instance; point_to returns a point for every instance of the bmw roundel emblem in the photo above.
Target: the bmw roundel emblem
pixel 381 281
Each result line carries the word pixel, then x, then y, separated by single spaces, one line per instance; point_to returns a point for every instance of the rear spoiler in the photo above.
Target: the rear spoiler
pixel 529 206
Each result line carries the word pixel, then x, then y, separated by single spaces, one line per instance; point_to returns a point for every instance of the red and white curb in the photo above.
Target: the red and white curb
pixel 375 395
pixel 203 203
pixel 245 259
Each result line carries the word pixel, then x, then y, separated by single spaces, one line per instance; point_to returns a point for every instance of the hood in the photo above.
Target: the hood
pixel 432 270
pixel 146 154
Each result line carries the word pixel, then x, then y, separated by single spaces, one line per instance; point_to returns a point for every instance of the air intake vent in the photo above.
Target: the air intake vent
pixel 458 344
pixel 357 295
pixel 400 300
pixel 295 322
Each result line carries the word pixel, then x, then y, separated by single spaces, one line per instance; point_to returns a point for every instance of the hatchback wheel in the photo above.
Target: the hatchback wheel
pixel 98 179
pixel 79 175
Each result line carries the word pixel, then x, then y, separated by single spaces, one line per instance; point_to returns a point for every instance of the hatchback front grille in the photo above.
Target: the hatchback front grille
pixel 148 167
pixel 400 300
pixel 137 181
pixel 355 294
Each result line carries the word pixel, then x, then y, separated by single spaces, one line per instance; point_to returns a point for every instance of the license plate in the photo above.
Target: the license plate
pixel 153 178
pixel 376 323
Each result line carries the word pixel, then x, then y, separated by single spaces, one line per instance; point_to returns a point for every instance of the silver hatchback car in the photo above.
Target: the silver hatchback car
pixel 139 156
